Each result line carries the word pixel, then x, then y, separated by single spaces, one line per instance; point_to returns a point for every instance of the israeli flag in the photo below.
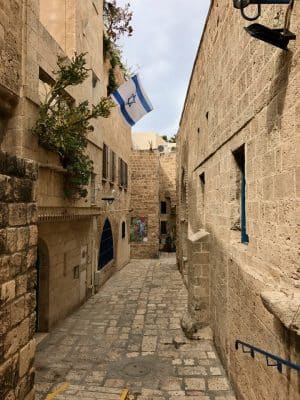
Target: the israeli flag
pixel 132 100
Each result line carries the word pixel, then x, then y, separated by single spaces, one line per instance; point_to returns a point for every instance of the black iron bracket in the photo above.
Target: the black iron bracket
pixel 276 361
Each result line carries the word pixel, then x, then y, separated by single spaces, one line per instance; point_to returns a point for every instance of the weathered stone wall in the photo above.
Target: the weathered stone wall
pixel 10 44
pixel 167 193
pixel 245 92
pixel 18 241
pixel 49 30
pixel 145 200
pixel 167 174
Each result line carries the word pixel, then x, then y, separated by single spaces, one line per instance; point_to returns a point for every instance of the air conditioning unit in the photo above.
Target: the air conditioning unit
pixel 163 148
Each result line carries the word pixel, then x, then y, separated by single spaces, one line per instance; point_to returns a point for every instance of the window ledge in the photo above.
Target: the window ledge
pixel 285 306
pixel 197 236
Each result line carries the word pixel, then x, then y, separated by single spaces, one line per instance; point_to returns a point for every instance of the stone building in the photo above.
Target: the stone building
pixel 238 198
pixel 18 230
pixel 74 246
pixel 153 195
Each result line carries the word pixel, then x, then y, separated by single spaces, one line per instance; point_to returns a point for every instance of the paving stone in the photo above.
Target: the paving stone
pixel 194 384
pixel 124 324
pixel 217 384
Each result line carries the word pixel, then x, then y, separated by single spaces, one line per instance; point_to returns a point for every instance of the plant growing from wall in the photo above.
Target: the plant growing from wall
pixel 117 20
pixel 117 23
pixel 62 127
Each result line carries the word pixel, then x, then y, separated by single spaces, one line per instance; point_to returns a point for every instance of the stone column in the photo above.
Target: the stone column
pixel 18 247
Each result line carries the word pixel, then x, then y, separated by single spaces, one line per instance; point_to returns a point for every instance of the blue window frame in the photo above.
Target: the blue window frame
pixel 106 252
pixel 239 156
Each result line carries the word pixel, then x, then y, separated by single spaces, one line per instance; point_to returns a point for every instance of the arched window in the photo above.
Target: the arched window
pixel 106 253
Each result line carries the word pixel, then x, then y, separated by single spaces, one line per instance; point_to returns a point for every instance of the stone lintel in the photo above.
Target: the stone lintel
pixel 285 307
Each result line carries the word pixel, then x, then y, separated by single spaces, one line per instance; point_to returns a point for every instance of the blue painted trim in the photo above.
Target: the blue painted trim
pixel 279 361
pixel 121 102
pixel 140 94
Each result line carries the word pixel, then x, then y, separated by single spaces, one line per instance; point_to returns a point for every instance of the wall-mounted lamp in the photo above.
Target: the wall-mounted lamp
pixel 108 199
pixel 277 37
pixel 242 4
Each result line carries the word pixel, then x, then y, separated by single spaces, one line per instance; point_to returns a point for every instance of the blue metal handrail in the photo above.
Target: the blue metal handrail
pixel 279 361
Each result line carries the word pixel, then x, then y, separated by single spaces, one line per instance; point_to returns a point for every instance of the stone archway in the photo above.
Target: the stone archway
pixel 42 288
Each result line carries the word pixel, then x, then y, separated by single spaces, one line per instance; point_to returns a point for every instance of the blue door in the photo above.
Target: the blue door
pixel 106 253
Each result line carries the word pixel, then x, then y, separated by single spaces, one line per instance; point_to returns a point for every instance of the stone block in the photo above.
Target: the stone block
pixel 6 189
pixel 11 244
pixel 33 235
pixel 23 238
pixel 32 216
pixel 26 357
pixel 4 268
pixel 4 319
pixel 8 291
pixel 17 214
pixel 16 338
pixel 3 236
pixel 17 311
pixel 23 190
pixel 21 284
pixel 3 215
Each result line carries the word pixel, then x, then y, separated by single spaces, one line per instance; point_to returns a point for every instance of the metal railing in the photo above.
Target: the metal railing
pixel 279 362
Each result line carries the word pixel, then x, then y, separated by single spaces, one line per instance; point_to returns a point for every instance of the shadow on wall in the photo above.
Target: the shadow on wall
pixel 277 91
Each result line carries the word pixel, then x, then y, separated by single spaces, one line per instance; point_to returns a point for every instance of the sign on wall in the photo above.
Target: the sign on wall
pixel 139 229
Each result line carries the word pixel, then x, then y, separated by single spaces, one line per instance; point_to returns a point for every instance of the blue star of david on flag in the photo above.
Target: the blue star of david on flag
pixel 132 100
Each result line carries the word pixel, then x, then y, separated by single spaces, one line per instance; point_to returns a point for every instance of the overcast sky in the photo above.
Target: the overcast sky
pixel 162 50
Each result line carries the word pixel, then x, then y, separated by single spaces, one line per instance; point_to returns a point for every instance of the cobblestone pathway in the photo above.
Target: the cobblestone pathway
pixel 129 336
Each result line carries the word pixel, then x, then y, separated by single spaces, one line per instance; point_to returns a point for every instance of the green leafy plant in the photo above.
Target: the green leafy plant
pixel 62 126
pixel 117 23
pixel 117 20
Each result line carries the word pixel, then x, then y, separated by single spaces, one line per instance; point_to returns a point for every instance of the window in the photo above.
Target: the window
pixel 163 227
pixel 123 230
pixel 163 207
pixel 123 173
pixel 112 166
pixel 240 220
pixel 105 162
pixel 93 188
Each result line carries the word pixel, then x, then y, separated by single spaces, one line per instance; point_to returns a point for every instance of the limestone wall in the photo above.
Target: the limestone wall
pixel 167 194
pixel 244 92
pixel 18 240
pixel 49 30
pixel 145 200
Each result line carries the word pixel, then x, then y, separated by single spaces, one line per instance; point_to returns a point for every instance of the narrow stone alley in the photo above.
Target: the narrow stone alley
pixel 129 336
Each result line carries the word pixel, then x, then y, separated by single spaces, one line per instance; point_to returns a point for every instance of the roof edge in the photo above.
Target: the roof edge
pixel 196 58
